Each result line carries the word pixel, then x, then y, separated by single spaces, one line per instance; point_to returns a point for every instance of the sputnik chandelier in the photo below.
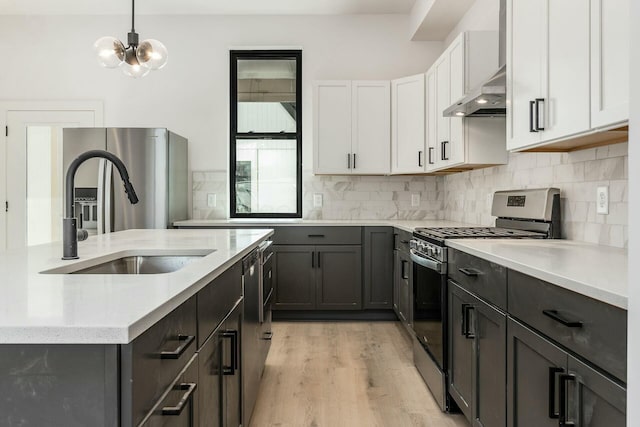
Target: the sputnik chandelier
pixel 135 60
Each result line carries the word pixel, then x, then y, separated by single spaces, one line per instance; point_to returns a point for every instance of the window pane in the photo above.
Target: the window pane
pixel 266 176
pixel 266 95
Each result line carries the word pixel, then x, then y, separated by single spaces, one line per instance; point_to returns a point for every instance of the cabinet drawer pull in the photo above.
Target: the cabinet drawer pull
pixel 553 371
pixel 233 335
pixel 403 269
pixel 469 272
pixel 268 336
pixel 563 416
pixel 185 341
pixel 177 410
pixel 315 235
pixel 538 127
pixel 559 318
pixel 531 107
pixel 466 323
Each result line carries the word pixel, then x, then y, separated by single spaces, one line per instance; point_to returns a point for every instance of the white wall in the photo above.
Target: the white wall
pixel 47 57
pixel 481 16
pixel 633 354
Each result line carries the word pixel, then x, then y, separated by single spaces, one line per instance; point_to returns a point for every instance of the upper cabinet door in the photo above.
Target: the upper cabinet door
pixel 609 62
pixel 432 160
pixel 332 127
pixel 371 127
pixel 407 125
pixel 443 101
pixel 526 62
pixel 455 148
pixel 565 109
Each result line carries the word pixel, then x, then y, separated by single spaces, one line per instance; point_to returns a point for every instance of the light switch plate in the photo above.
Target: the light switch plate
pixel 602 200
pixel 212 200
pixel 317 200
pixel 415 199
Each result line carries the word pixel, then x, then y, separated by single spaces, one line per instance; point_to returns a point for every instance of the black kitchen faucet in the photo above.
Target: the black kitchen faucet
pixel 70 232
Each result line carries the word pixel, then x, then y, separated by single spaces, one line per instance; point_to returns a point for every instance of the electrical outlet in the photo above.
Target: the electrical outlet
pixel 602 200
pixel 415 199
pixel 317 200
pixel 212 200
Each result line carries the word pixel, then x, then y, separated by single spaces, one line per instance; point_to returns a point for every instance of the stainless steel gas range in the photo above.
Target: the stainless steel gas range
pixel 521 214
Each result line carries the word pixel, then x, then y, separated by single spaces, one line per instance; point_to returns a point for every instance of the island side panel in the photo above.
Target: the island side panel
pixel 61 385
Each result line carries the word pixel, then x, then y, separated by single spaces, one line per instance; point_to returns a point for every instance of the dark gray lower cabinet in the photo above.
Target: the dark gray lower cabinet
pixel 309 277
pixel 402 282
pixel 477 358
pixel 549 387
pixel 220 375
pixel 378 267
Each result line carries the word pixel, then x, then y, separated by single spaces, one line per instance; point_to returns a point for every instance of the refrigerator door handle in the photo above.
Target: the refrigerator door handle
pixel 101 166
pixel 108 215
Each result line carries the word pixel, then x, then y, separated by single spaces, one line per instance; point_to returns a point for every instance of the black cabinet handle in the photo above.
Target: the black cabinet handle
pixel 562 413
pixel 318 259
pixel 268 336
pixel 469 272
pixel 538 101
pixel 553 371
pixel 354 160
pixel 185 341
pixel 403 271
pixel 233 335
pixel 466 311
pixel 348 160
pixel 531 120
pixel 420 158
pixel 313 257
pixel 177 410
pixel 315 235
pixel 443 147
pixel 430 157
pixel 559 318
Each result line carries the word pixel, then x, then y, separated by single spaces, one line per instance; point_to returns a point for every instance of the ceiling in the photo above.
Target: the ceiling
pixel 211 7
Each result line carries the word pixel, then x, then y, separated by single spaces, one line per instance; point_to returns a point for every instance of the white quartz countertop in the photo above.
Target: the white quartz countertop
pixel 102 308
pixel 407 225
pixel 599 272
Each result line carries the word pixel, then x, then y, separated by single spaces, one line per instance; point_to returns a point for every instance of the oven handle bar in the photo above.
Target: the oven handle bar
pixel 425 262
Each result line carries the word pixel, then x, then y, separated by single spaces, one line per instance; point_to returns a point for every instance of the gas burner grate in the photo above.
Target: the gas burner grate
pixel 475 232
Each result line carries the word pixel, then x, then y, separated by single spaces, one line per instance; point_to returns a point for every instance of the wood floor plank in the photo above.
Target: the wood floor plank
pixel 351 374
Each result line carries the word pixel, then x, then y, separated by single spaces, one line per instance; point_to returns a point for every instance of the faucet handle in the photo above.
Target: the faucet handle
pixel 82 235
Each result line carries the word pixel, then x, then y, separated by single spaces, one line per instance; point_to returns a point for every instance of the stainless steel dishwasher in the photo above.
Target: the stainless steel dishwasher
pixel 256 326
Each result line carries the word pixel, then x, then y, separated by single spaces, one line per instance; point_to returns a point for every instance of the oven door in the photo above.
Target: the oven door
pixel 429 306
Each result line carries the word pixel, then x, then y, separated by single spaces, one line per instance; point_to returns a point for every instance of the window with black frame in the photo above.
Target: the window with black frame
pixel 266 134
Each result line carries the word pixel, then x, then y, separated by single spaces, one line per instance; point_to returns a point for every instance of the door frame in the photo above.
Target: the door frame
pixel 95 106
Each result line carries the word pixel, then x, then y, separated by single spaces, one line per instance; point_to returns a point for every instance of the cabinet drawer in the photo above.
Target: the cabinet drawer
pixel 217 299
pixel 318 236
pixel 591 328
pixel 401 239
pixel 153 360
pixel 480 277
pixel 180 405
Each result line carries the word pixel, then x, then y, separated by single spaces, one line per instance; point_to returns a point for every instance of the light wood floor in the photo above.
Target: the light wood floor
pixel 326 374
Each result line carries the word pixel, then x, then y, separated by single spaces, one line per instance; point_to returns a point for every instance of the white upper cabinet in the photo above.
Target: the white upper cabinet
pixel 609 62
pixel 408 125
pixel 332 127
pixel 371 127
pixel 457 142
pixel 567 71
pixel 351 133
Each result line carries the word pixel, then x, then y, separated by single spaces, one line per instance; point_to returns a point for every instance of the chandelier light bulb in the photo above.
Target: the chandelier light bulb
pixel 131 67
pixel 152 54
pixel 110 51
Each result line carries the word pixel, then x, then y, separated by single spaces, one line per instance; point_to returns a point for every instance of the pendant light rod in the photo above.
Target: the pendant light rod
pixel 133 16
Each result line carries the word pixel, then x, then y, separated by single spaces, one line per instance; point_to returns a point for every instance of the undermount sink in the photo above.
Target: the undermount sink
pixel 134 264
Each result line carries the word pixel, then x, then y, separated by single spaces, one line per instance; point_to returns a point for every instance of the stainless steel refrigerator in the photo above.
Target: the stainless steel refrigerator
pixel 156 160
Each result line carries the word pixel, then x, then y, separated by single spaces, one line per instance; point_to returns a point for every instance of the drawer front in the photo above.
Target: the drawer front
pixel 180 406
pixel 318 236
pixel 480 277
pixel 591 328
pixel 217 299
pixel 153 360
pixel 401 240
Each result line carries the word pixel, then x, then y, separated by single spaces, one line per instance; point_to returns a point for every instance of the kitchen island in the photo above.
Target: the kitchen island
pixel 118 349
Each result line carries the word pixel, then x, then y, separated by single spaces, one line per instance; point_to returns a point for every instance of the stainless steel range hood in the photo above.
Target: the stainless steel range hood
pixel 488 99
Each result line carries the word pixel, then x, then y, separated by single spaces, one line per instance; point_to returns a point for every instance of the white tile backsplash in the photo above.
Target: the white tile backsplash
pixel 466 196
